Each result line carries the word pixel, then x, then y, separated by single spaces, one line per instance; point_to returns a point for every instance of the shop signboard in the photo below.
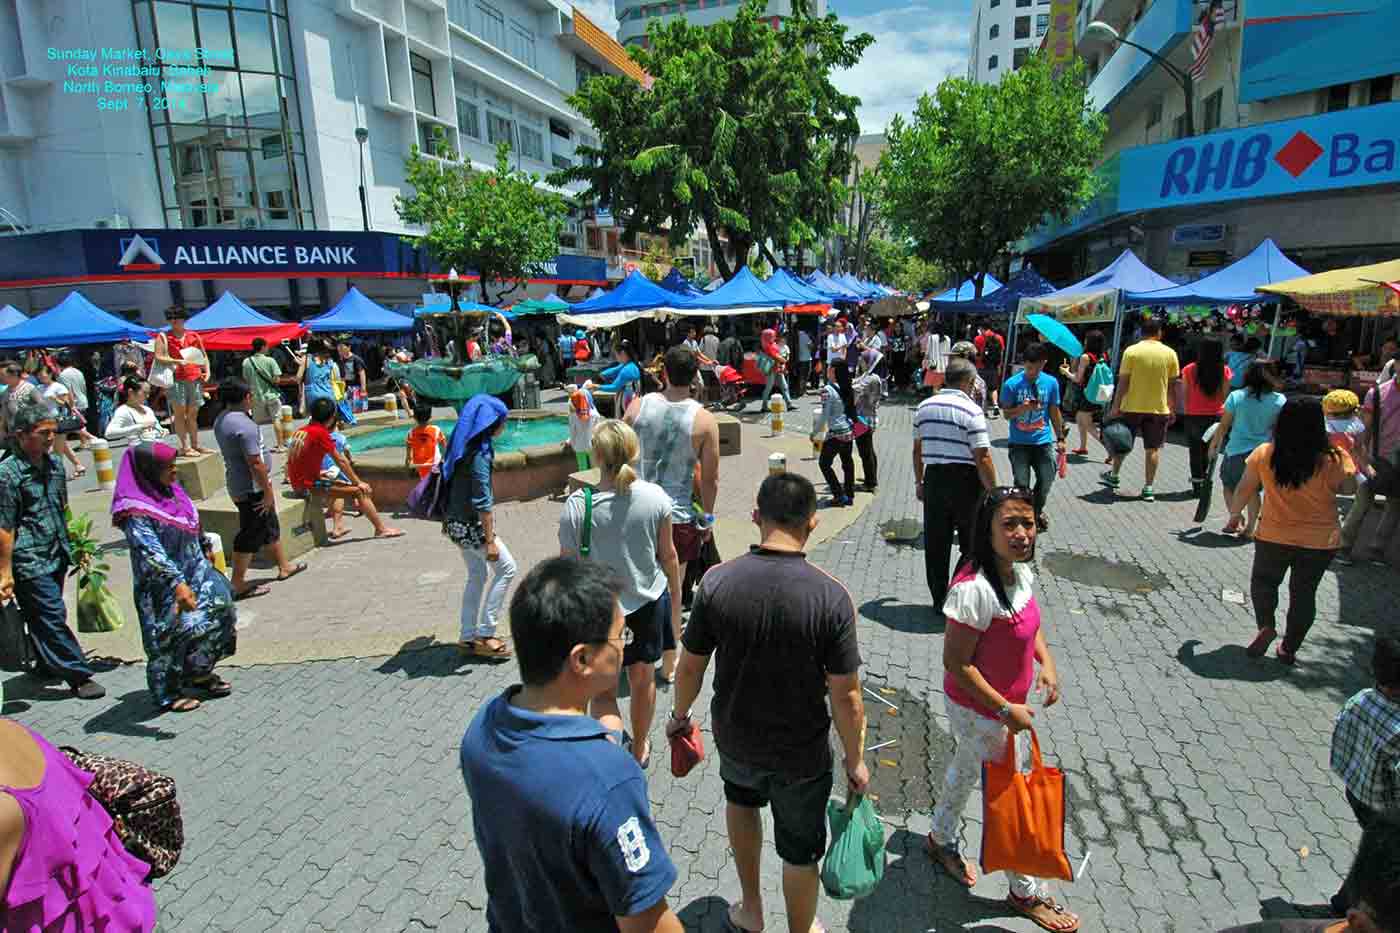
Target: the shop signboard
pixel 1059 41
pixel 1292 46
pixel 1191 234
pixel 1088 308
pixel 1346 149
pixel 1203 258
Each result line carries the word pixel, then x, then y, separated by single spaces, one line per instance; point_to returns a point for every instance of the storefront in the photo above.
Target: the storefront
pixel 294 274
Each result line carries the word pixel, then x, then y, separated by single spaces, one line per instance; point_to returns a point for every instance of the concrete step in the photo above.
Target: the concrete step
pixel 219 515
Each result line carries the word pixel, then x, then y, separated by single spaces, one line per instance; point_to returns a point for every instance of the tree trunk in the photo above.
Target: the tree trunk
pixel 768 254
pixel 716 247
pixel 741 243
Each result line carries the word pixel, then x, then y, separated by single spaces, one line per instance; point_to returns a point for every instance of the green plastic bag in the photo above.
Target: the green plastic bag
pixel 98 610
pixel 855 862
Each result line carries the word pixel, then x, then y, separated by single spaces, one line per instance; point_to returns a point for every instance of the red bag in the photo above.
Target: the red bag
pixel 582 351
pixel 1023 817
pixel 687 750
pixel 1062 464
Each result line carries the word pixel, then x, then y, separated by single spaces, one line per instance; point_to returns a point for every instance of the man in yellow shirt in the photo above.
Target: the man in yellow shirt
pixel 1148 379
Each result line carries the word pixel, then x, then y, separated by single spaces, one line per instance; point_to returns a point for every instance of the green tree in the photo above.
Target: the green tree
pixel 497 224
pixel 884 259
pixel 740 129
pixel 918 277
pixel 981 165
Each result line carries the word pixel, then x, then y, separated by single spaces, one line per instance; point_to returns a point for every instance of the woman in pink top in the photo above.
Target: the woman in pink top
pixel 992 643
pixel 62 867
pixel 1205 383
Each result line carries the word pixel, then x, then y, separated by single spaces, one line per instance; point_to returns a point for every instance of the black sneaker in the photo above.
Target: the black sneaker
pixel 89 690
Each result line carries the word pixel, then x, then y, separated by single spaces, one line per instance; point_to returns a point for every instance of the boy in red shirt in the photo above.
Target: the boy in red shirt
pixel 309 447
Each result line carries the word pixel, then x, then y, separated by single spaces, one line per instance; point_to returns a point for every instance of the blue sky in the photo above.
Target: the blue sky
pixel 917 44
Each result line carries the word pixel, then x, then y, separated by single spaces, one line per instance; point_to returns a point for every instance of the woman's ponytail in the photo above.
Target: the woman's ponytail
pixel 615 446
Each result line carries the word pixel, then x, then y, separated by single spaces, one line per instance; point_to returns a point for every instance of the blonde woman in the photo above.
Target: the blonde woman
pixel 627 528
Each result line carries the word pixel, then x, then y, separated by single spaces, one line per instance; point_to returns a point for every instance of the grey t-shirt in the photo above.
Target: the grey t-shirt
pixel 624 536
pixel 239 438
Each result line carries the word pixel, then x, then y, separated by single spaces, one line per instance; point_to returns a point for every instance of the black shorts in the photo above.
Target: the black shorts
pixel 1151 427
pixel 256 529
pixel 648 625
pixel 799 806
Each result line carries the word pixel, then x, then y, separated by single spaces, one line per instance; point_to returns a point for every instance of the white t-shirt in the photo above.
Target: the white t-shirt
pixel 625 532
pixel 836 343
pixel 974 603
pixel 128 424
pixel 56 391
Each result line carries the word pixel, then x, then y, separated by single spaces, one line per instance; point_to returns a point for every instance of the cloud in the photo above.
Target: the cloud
pixel 601 12
pixel 916 46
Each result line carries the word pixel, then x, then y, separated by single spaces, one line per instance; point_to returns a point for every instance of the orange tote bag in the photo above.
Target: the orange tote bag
pixel 1023 816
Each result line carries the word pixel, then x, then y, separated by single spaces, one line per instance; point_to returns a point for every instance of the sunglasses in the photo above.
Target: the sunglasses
pixel 1000 494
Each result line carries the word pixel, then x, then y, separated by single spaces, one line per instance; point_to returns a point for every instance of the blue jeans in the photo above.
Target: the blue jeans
pixel 41 600
pixel 1040 458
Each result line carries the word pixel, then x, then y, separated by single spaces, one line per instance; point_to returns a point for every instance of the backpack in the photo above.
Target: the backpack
pixel 1099 379
pixel 582 352
pixel 991 351
pixel 143 807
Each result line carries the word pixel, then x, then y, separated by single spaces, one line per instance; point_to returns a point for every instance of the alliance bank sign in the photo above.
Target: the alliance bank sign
pixel 142 254
pixel 1346 149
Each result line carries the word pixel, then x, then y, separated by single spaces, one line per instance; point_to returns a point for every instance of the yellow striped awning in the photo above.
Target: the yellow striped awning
pixel 1359 291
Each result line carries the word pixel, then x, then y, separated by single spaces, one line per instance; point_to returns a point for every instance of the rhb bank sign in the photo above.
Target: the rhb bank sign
pixel 1347 149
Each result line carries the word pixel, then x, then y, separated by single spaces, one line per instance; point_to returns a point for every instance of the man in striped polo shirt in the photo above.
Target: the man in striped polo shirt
pixel 952 468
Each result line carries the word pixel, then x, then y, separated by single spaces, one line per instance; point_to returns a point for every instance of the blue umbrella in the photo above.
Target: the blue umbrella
pixel 1056 333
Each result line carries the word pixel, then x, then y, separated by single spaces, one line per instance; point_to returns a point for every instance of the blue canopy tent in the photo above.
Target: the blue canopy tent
pixel 356 313
pixel 1233 285
pixel 637 296
pixel 744 294
pixel 229 324
pixel 825 283
pixel 864 289
pixel 1097 298
pixel 785 283
pixel 1004 300
pixel 72 322
pixel 675 282
pixel 10 316
pixel 967 291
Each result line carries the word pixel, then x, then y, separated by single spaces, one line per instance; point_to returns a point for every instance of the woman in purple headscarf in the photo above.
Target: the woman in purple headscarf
pixel 184 604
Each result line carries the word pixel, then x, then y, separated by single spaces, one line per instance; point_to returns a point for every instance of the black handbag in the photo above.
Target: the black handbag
pixel 16 648
pixel 1387 479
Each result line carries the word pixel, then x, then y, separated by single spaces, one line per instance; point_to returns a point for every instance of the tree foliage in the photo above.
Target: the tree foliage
pixel 497 223
pixel 740 129
pixel 981 165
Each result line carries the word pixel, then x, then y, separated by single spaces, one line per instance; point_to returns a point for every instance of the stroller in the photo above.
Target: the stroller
pixel 731 387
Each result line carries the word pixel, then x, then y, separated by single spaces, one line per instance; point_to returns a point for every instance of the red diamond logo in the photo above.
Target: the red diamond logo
pixel 1300 152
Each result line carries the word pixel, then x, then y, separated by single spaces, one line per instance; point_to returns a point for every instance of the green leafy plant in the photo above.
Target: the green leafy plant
pixel 88 565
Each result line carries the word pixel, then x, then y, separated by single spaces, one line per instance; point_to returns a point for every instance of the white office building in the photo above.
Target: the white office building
pixel 269 134
pixel 1004 34
pixel 634 15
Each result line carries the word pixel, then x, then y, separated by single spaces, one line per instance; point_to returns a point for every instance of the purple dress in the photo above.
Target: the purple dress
pixel 71 872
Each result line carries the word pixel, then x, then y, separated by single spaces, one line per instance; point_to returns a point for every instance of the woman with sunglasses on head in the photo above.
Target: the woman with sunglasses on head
pixel 1301 474
pixel 993 641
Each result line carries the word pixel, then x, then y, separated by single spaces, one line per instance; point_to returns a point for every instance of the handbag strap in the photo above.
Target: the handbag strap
pixel 1008 760
pixel 586 544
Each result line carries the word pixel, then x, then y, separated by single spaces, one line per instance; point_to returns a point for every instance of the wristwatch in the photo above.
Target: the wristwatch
pixel 1004 713
pixel 675 715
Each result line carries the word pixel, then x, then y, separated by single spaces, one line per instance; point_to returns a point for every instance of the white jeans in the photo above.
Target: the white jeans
pixel 479 622
pixel 978 739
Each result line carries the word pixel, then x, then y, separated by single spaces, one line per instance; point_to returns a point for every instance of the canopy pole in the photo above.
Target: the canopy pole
pixel 1010 353
pixel 1273 333
pixel 1118 330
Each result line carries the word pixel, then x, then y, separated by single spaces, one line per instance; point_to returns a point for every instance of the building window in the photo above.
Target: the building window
pixel 994 31
pixel 276 204
pixel 522 44
pixel 1338 97
pixel 991 63
pixel 192 160
pixel 560 128
pixel 583 70
pixel 427 138
pixel 1020 56
pixel 1382 89
pixel 531 143
pixel 561 162
pixel 424 96
pixel 1022 3
pixel 490 25
pixel 1179 127
pixel 1042 23
pixel 1154 113
pixel 1023 28
pixel 469 118
pixel 994 4
pixel 458 13
pixel 1211 120
pixel 271 147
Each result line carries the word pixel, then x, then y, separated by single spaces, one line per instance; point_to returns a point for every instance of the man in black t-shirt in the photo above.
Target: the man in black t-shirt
pixel 784 636
pixel 352 370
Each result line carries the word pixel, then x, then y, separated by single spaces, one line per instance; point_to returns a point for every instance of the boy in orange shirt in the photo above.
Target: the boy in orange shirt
pixel 425 443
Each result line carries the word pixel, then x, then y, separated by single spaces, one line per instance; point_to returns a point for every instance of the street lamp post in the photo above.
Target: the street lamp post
pixel 362 137
pixel 1182 77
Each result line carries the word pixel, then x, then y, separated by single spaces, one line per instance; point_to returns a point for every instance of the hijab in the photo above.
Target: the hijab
pixel 472 433
pixel 141 492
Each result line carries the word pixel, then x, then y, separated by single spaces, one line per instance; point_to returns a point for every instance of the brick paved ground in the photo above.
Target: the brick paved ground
pixel 326 795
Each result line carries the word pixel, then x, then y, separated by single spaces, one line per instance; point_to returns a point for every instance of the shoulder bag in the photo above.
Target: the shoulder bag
pixel 161 375
pixel 143 807
pixel 585 544
pixel 1387 479
pixel 16 650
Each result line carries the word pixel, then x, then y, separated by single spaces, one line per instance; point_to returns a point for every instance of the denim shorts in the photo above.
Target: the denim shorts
pixel 186 394
pixel 1232 470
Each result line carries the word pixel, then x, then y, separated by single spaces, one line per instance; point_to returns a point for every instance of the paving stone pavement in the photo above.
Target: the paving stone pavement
pixel 326 796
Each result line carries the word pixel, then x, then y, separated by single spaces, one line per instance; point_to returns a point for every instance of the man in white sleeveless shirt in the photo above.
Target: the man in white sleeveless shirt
pixel 676 433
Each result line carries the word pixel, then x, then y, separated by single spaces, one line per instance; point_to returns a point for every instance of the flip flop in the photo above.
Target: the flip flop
pixel 734 924
pixel 337 535
pixel 1026 908
pixel 297 568
pixel 252 592
pixel 501 652
pixel 213 685
pixel 935 852
pixel 184 705
pixel 390 533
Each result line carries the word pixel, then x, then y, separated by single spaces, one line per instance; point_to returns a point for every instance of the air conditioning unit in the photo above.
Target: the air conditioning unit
pixel 250 223
pixel 112 222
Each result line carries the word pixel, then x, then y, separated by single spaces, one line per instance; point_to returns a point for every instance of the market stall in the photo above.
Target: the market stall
pixel 74 321
pixel 10 316
pixel 355 313
pixel 636 297
pixel 967 291
pixel 229 324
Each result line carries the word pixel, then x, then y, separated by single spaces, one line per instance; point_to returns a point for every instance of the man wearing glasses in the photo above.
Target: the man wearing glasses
pixel 559 810
pixel 34 548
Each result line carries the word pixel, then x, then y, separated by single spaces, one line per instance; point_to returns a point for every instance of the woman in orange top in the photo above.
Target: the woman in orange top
pixel 425 442
pixel 1301 474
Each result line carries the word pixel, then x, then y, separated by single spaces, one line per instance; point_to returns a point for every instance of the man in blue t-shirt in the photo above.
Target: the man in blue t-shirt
pixel 1031 402
pixel 559 810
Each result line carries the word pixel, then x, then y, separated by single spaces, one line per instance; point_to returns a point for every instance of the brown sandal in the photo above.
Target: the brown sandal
pixel 184 705
pixel 481 649
pixel 942 855
pixel 1030 908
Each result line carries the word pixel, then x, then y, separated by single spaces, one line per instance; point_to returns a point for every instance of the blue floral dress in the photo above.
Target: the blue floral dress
pixel 180 646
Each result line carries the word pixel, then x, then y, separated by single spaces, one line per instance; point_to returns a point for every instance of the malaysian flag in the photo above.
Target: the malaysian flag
pixel 1204 36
